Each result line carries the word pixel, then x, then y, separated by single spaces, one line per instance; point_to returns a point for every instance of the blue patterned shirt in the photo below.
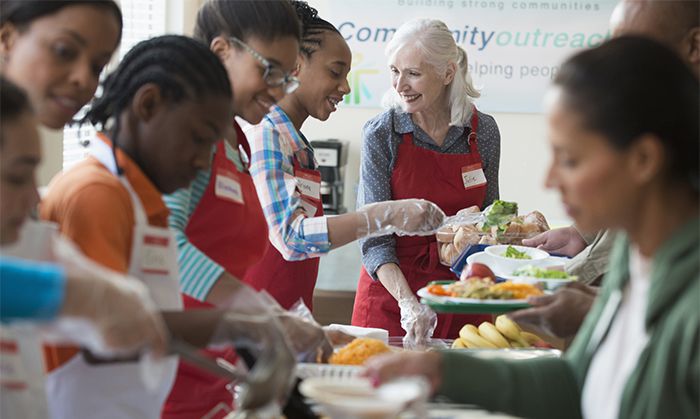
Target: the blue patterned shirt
pixel 273 143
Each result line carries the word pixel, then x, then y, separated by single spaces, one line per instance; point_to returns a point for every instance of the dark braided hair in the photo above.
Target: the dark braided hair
pixel 22 13
pixel 312 27
pixel 180 66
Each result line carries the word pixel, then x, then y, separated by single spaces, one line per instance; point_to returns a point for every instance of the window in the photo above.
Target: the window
pixel 143 19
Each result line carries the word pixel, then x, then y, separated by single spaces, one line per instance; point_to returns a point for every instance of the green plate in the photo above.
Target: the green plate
pixel 454 305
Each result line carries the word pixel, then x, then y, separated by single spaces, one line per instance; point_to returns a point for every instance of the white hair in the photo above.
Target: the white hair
pixel 438 47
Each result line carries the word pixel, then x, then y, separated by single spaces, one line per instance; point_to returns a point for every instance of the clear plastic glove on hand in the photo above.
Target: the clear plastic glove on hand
pixel 307 338
pixel 118 307
pixel 419 322
pixel 405 217
pixel 272 376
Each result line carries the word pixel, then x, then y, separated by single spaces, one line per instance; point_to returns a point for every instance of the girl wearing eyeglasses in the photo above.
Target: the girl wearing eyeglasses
pixel 218 221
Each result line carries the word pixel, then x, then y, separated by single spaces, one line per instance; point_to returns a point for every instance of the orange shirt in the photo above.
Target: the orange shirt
pixel 94 210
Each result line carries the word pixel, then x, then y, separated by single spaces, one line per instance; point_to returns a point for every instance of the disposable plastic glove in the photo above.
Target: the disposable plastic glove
pixel 419 322
pixel 119 307
pixel 306 337
pixel 405 217
pixel 272 376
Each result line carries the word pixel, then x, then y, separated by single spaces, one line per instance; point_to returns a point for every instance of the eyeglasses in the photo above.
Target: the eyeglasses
pixel 273 75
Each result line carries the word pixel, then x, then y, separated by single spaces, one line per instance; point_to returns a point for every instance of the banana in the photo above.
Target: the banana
pixel 531 338
pixel 489 332
pixel 471 337
pixel 516 344
pixel 458 344
pixel 511 330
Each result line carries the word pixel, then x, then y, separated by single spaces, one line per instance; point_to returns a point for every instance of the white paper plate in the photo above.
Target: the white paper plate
pixel 423 292
pixel 356 398
pixel 338 372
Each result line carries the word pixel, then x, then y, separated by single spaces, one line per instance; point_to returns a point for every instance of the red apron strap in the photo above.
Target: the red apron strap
pixel 407 138
pixel 471 136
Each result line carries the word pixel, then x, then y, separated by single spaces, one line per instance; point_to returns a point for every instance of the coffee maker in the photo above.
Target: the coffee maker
pixel 332 156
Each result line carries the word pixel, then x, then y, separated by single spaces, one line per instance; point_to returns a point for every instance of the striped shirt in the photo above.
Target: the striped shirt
pixel 198 272
pixel 274 143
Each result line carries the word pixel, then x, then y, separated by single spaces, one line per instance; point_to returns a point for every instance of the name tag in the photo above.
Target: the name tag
pixel 154 255
pixel 309 207
pixel 12 374
pixel 228 187
pixel 473 176
pixel 309 184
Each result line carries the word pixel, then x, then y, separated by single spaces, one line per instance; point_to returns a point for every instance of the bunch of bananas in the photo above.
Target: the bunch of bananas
pixel 504 334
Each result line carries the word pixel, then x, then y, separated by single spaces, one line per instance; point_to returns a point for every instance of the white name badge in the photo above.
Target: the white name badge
pixel 12 373
pixel 228 187
pixel 309 184
pixel 154 255
pixel 308 207
pixel 473 176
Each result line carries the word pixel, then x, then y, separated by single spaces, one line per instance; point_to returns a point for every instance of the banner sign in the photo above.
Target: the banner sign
pixel 514 47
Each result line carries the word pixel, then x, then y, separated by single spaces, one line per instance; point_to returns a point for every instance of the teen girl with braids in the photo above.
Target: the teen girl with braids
pixel 160 113
pixel 287 179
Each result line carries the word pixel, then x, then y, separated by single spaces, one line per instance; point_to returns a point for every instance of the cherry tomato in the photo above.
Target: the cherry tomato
pixel 477 269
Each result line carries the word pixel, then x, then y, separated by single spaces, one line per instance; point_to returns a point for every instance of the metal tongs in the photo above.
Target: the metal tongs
pixel 219 367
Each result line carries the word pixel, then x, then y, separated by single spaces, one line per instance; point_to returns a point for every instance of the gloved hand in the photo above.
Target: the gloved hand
pixel 404 217
pixel 307 338
pixel 272 376
pixel 119 308
pixel 567 241
pixel 419 322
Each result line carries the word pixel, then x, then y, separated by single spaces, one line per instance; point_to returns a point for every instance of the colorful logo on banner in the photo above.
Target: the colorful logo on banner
pixel 514 47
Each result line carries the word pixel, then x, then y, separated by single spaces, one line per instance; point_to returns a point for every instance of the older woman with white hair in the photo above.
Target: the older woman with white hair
pixel 432 143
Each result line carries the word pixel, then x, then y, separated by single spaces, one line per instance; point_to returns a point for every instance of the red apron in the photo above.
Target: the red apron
pixel 287 281
pixel 229 226
pixel 426 174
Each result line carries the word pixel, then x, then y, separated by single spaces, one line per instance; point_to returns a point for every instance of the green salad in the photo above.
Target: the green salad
pixel 512 252
pixel 499 214
pixel 536 272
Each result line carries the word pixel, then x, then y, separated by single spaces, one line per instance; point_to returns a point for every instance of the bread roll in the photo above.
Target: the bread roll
pixel 448 253
pixel 465 236
pixel 488 239
pixel 536 217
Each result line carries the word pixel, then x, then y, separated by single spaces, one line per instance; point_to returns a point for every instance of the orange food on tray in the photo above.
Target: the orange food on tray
pixel 358 351
pixel 519 291
pixel 485 289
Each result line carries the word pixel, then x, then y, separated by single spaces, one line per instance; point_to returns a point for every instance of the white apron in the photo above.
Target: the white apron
pixel 22 368
pixel 113 391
